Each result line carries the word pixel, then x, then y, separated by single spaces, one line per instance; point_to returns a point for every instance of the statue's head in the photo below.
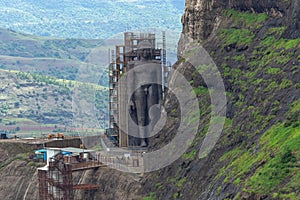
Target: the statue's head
pixel 144 49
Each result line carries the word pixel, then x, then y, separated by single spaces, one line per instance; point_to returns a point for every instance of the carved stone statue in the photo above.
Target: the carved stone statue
pixel 145 96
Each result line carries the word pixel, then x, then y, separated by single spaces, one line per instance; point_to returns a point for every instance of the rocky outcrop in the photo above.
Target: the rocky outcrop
pixel 247 41
pixel 202 17
pixel 113 185
pixel 19 181
pixel 18 174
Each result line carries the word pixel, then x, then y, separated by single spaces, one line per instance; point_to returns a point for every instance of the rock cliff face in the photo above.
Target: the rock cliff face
pixel 113 185
pixel 255 45
pixel 18 173
pixel 202 17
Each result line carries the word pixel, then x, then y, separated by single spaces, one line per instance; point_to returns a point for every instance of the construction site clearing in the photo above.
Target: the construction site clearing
pixel 56 177
pixel 50 137
pixel 63 157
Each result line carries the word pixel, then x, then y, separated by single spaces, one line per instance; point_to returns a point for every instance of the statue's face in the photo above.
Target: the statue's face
pixel 146 53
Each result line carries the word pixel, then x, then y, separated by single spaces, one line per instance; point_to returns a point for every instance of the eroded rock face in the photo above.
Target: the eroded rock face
pixel 18 176
pixel 113 185
pixel 202 21
pixel 202 17
pixel 199 18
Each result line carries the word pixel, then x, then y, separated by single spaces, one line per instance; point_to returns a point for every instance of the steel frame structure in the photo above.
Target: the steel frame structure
pixel 56 180
pixel 120 57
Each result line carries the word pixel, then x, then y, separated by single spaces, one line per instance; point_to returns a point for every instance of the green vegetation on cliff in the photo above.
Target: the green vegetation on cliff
pixel 262 63
pixel 272 166
pixel 257 156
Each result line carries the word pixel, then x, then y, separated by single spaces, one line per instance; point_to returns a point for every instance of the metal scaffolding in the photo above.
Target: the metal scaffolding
pixel 56 179
pixel 120 58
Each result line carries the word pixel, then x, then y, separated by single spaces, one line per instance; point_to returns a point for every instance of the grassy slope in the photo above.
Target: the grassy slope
pixel 268 70
pixel 258 153
pixel 274 167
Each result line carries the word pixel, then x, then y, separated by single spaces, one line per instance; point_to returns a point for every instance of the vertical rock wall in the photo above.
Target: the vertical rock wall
pixel 201 17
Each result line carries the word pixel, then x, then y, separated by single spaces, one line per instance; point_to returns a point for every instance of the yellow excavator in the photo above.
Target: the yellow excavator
pixel 58 136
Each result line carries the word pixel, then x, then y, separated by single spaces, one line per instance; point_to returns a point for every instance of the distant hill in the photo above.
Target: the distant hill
pixel 60 58
pixel 89 19
pixel 32 104
pixel 44 80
